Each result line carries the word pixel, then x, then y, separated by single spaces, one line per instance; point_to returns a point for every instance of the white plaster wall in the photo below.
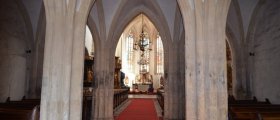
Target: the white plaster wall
pixel 119 49
pixel 266 76
pixel 12 51
pixel 17 77
pixel 88 41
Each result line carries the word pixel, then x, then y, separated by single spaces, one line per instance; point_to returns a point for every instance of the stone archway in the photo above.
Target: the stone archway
pixel 174 96
pixel 205 76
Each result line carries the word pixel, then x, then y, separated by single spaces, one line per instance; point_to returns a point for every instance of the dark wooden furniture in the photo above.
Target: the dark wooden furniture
pixel 26 109
pixel 120 95
pixel 252 110
pixel 160 98
pixel 117 74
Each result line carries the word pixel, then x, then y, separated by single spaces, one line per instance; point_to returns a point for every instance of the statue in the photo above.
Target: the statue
pixel 161 81
pixel 89 75
pixel 126 81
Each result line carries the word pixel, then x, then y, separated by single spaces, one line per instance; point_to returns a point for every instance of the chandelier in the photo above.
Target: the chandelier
pixel 143 61
pixel 144 45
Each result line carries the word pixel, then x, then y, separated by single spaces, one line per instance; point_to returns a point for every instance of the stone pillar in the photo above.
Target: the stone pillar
pixel 102 103
pixel 174 96
pixel 63 59
pixel 206 84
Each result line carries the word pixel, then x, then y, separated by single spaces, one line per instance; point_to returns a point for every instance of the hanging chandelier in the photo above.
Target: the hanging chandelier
pixel 143 61
pixel 143 44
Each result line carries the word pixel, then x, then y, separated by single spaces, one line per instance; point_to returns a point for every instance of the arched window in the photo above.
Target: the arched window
pixel 159 56
pixel 129 55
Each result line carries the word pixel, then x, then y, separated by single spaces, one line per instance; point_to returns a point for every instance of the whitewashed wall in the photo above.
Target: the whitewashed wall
pixel 266 43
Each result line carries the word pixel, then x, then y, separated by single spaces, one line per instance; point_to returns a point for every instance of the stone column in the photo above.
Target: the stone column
pixel 206 84
pixel 174 96
pixel 104 64
pixel 63 59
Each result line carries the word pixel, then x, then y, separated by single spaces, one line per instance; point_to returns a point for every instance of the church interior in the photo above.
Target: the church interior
pixel 113 59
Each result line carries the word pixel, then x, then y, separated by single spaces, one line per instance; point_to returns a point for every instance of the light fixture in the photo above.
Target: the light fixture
pixel 144 45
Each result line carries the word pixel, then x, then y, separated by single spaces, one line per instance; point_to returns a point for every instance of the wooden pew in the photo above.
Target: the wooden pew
pixel 19 113
pixel 233 101
pixel 269 115
pixel 120 95
pixel 272 115
pixel 253 110
pixel 160 98
pixel 20 110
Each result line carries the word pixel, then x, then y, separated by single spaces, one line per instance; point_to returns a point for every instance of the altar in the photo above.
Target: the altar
pixel 143 82
pixel 141 87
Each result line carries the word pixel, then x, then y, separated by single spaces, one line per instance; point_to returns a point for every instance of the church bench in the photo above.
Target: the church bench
pixel 160 98
pixel 233 101
pixel 252 110
pixel 19 113
pixel 120 95
pixel 269 115
pixel 269 112
pixel 23 102
pixel 26 109
pixel 255 107
pixel 256 116
pixel 15 115
pixel 243 116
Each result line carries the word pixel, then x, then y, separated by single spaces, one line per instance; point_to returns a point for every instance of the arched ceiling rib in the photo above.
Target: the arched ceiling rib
pixel 247 7
pixel 111 9
pixel 94 16
pixel 33 8
pixel 234 22
pixel 169 10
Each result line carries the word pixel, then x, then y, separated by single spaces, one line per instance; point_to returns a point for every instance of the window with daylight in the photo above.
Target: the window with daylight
pixel 146 56
pixel 159 56
pixel 129 47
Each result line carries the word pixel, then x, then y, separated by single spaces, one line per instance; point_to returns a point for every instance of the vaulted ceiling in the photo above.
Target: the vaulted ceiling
pixel 107 13
pixel 111 15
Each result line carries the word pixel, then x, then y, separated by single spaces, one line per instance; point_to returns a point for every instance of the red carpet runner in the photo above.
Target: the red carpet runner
pixel 139 109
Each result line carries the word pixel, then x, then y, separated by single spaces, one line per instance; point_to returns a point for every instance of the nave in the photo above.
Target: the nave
pixel 177 49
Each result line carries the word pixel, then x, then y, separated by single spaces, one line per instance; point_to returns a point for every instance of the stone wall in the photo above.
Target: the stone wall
pixel 266 45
